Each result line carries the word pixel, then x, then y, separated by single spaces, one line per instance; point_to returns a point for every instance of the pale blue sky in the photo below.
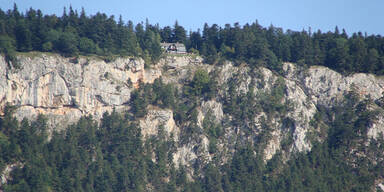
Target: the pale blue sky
pixel 353 15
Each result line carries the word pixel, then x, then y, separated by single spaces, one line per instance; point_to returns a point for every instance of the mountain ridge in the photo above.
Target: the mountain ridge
pixel 280 113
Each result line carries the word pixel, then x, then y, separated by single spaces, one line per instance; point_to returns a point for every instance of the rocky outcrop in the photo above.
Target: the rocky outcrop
pixel 212 108
pixel 5 175
pixel 156 120
pixel 64 89
pixel 302 112
pixel 376 129
pixel 327 87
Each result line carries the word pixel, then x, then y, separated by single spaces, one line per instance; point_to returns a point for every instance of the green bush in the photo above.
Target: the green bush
pixel 7 47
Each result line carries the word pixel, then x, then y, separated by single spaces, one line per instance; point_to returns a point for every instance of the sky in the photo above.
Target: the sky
pixel 351 15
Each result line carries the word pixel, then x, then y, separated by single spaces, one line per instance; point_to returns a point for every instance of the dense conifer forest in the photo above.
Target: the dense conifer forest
pixel 75 33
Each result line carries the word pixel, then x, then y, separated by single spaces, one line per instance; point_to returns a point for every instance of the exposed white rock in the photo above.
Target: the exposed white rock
pixel 200 118
pixel 245 80
pixel 184 156
pixel 302 112
pixel 5 174
pixel 267 78
pixel 57 116
pixel 273 145
pixel 159 117
pixel 290 70
pixel 328 86
pixel 226 72
pixel 178 70
pixel 377 128
pixel 214 108
pixel 64 90
pixel 381 186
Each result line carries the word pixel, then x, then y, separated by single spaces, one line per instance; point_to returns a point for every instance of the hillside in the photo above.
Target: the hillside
pixel 182 124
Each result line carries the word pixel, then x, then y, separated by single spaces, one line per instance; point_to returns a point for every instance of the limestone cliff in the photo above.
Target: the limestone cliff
pixel 64 89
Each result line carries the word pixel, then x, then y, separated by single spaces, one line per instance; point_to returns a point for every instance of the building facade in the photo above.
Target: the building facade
pixel 178 48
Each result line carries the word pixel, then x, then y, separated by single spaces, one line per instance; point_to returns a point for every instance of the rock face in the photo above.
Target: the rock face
pixel 157 118
pixel 64 89
pixel 5 174
pixel 327 86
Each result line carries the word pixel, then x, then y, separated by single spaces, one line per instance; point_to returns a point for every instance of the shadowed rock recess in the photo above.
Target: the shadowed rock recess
pixel 284 115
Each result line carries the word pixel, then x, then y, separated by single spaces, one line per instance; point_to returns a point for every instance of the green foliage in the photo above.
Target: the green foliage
pixel 66 44
pixel 200 82
pixel 47 46
pixel 111 156
pixel 212 180
pixel 158 93
pixel 254 44
pixel 213 131
pixel 243 107
pixel 87 46
pixel 273 102
pixel 84 158
pixel 193 51
pixel 246 171
pixel 202 85
pixel 179 34
pixel 329 166
pixel 7 47
pixel 259 46
pixel 74 33
pixel 139 104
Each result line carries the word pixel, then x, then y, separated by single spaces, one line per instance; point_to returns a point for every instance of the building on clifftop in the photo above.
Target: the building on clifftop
pixel 178 48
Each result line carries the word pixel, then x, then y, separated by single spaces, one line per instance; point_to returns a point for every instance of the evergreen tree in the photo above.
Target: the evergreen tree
pixel 67 43
pixel 179 34
pixel 166 34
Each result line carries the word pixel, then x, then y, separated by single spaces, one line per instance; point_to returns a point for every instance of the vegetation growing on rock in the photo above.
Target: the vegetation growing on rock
pixel 250 122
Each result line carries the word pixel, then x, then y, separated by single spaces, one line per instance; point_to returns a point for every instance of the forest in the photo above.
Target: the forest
pixel 111 155
pixel 76 33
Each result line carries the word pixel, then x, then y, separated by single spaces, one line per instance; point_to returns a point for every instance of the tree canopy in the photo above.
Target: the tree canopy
pixel 77 33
